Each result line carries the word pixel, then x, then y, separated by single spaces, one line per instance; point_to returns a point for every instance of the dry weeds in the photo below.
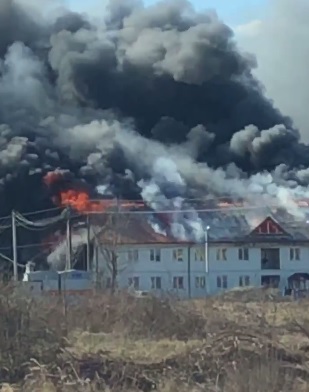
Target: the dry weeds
pixel 120 343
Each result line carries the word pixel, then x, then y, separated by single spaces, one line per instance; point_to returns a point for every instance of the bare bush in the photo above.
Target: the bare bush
pixel 122 343
pixel 28 329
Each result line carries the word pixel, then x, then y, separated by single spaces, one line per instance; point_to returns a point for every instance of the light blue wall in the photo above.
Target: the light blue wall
pixel 233 268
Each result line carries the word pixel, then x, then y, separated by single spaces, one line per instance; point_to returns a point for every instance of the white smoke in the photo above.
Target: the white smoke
pixel 57 258
pixel 171 171
pixel 165 192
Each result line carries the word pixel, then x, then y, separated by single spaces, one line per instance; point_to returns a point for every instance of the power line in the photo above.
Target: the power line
pixel 11 261
pixel 39 226
pixel 161 212
pixel 171 211
pixel 39 244
pixel 42 211
pixel 142 202
pixel 35 212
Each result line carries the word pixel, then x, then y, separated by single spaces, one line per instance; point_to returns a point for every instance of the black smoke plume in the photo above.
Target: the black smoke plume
pixel 105 99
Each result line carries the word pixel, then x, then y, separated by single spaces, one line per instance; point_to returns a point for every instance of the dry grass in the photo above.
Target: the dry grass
pixel 139 351
pixel 120 343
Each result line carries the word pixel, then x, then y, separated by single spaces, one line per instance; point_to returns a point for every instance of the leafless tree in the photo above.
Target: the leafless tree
pixel 108 240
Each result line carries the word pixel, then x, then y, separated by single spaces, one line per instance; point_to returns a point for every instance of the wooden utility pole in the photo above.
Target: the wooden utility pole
pixel 14 245
pixel 88 244
pixel 69 245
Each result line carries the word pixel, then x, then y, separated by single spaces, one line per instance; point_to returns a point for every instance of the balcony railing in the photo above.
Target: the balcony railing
pixel 270 265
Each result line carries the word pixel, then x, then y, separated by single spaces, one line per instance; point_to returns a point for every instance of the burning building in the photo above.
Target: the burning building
pixel 155 104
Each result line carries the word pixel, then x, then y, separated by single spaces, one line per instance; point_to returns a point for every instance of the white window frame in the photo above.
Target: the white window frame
pixel 200 282
pixel 155 255
pixel 244 281
pixel 199 254
pixel 178 254
pixel 176 282
pixel 295 254
pixel 154 280
pixel 221 254
pixel 243 254
pixel 222 282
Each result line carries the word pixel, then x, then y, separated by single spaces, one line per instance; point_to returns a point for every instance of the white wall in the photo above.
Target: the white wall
pixel 232 268
pixel 190 269
pixel 145 269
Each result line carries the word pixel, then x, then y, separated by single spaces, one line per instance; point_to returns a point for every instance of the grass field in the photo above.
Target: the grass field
pixel 120 343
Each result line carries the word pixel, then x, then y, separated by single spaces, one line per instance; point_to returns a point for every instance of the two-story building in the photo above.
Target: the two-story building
pixel 233 254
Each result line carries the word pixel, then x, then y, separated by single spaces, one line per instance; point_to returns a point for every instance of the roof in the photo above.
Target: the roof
pixel 250 224
pixel 299 276
pixel 135 229
pixel 226 225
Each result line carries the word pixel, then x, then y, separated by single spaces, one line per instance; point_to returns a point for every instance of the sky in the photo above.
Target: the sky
pixel 233 12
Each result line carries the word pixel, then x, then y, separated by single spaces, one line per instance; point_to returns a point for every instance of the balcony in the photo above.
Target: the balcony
pixel 270 281
pixel 270 259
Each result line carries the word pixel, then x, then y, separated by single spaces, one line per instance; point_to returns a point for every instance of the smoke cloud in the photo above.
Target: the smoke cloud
pixel 155 102
pixel 280 41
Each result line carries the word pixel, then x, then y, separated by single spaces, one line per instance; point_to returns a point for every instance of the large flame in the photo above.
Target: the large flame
pixel 80 200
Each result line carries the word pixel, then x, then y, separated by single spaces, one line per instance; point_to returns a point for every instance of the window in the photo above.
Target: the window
pixel 221 254
pixel 134 282
pixel 199 254
pixel 294 254
pixel 178 282
pixel 244 281
pixel 243 254
pixel 108 282
pixel 222 282
pixel 133 255
pixel 156 283
pixel 155 254
pixel 178 254
pixel 200 282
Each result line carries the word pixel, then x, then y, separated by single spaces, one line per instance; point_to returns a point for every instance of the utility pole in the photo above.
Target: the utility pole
pixel 88 243
pixel 206 258
pixel 69 245
pixel 14 245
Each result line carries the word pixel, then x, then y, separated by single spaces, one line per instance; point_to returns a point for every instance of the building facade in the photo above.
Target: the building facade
pixel 267 255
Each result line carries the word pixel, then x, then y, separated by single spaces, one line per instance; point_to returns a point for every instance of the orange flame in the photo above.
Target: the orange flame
pixel 81 202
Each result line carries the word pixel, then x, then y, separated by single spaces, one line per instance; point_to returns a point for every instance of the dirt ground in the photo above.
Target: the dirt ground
pixel 120 343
